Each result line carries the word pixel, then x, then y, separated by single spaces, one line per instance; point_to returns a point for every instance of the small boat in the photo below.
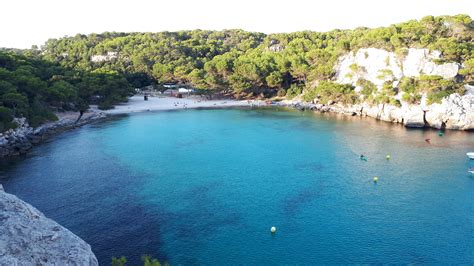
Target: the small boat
pixel 471 170
pixel 470 155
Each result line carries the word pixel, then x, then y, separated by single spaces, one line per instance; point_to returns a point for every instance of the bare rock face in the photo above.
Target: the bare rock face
pixel 27 237
pixel 409 115
pixel 420 61
pixel 392 114
pixel 372 110
pixel 454 112
pixel 378 65
pixel 414 116
pixel 103 58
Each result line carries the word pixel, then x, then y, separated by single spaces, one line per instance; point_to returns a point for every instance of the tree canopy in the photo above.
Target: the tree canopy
pixel 71 72
pixel 247 62
pixel 33 88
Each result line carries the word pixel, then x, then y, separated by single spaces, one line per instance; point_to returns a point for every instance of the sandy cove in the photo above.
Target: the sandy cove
pixel 138 104
pixel 22 139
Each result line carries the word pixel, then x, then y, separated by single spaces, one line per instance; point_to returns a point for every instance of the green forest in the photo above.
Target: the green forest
pixel 34 88
pixel 61 75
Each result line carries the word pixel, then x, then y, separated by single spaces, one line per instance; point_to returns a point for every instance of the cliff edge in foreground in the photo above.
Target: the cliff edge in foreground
pixel 27 237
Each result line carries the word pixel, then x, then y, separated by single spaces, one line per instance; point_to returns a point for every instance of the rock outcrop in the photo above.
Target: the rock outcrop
pixel 27 237
pixel 378 66
pixel 104 58
pixel 454 112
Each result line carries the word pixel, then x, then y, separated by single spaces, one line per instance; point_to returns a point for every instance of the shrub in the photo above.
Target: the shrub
pixel 149 261
pixel 436 97
pixel 6 119
pixel 385 73
pixel 105 105
pixel 354 67
pixel 357 69
pixel 408 85
pixel 411 98
pixel 468 71
pixel 293 91
pixel 395 102
pixel 37 120
pixel 119 261
pixel 327 91
pixel 368 88
pixel 281 93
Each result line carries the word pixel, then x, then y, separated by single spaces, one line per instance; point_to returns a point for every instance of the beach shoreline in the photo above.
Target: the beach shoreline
pixel 137 104
pixel 21 140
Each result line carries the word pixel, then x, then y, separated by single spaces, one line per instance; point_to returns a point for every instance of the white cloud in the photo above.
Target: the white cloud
pixel 27 22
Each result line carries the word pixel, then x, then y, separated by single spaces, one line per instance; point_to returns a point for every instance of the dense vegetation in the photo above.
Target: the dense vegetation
pixel 33 88
pixel 246 63
pixel 67 73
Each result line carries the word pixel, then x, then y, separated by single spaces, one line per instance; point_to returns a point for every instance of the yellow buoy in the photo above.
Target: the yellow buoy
pixel 388 157
pixel 273 229
pixel 376 178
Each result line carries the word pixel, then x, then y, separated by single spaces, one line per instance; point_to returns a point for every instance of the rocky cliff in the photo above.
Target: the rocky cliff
pixel 455 112
pixel 380 67
pixel 27 237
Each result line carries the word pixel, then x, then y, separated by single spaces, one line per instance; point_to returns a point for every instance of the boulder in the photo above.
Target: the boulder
pixel 413 116
pixel 27 237
pixel 435 119
pixel 454 112
pixel 372 110
pixel 391 113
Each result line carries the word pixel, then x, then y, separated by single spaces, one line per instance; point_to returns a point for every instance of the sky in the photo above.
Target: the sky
pixel 31 22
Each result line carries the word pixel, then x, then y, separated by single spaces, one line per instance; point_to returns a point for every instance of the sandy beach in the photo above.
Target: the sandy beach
pixel 138 104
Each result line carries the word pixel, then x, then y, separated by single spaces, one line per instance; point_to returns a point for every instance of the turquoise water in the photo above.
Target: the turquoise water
pixel 205 186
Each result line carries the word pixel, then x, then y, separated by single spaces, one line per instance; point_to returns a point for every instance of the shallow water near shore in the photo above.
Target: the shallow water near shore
pixel 205 186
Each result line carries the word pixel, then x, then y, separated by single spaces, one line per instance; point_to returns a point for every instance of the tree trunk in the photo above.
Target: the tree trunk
pixel 80 116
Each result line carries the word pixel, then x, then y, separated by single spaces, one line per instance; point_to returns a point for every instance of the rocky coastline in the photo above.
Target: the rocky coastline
pixel 20 140
pixel 455 112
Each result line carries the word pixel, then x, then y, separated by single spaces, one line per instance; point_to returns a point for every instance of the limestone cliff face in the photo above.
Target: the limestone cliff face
pixel 455 112
pixel 104 58
pixel 379 66
pixel 27 237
